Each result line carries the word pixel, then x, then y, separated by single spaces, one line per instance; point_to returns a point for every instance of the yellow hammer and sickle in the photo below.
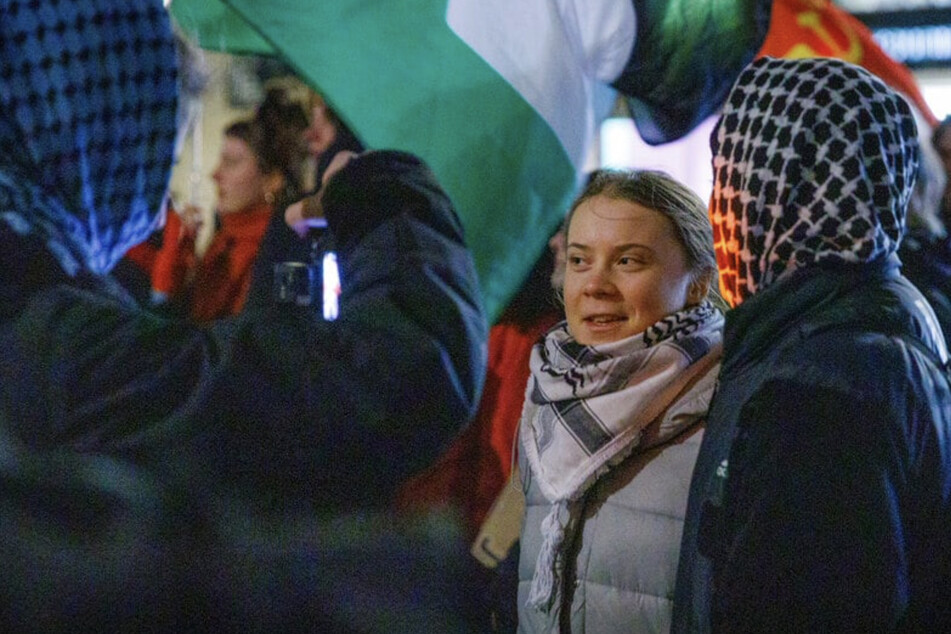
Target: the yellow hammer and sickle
pixel 812 21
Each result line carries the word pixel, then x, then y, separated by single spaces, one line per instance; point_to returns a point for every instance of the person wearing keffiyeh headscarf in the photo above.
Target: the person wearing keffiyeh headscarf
pixel 159 475
pixel 820 499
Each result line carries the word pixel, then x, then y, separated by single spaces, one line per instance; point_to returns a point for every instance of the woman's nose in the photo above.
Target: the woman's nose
pixel 599 282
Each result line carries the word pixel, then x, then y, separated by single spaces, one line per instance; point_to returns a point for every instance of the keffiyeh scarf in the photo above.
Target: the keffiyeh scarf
pixel 813 160
pixel 587 407
pixel 88 99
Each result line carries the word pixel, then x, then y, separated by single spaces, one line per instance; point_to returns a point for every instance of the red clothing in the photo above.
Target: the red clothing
pixel 143 255
pixel 472 472
pixel 216 284
pixel 173 258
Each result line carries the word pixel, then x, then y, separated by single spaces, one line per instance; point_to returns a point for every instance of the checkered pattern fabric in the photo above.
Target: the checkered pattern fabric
pixel 581 388
pixel 813 160
pixel 88 99
pixel 587 407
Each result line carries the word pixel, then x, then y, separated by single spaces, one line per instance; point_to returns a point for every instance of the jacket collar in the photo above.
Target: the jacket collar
pixel 873 296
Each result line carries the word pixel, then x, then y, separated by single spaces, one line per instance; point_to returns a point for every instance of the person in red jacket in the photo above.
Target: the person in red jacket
pixel 260 170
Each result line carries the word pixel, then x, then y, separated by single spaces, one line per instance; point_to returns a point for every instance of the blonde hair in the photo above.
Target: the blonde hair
pixel 660 192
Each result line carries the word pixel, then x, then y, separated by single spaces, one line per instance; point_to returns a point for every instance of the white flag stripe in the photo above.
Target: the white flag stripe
pixel 556 54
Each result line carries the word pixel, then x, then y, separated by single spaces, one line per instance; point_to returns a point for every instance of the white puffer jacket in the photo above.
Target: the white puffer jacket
pixel 622 562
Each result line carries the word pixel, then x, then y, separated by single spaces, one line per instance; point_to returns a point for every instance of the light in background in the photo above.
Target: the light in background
pixel 687 160
pixel 937 92
pixel 865 6
pixel 922 45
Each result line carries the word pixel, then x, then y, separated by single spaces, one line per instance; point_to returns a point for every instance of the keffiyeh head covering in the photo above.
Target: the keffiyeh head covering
pixel 813 160
pixel 88 99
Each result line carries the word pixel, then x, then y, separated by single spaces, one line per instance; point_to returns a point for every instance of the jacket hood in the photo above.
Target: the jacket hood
pixel 88 99
pixel 813 160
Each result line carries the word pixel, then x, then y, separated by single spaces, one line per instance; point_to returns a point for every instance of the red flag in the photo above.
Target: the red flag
pixel 819 28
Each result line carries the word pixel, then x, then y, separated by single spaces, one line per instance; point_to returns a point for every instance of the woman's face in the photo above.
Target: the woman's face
pixel 626 270
pixel 241 185
pixel 321 133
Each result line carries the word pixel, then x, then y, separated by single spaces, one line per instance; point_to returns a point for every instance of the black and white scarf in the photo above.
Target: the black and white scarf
pixel 813 160
pixel 587 407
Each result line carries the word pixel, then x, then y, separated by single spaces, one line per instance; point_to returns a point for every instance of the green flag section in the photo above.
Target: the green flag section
pixel 403 79
pixel 687 55
pixel 501 97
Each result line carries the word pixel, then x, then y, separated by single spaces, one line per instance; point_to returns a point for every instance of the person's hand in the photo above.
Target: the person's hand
pixel 309 211
pixel 337 163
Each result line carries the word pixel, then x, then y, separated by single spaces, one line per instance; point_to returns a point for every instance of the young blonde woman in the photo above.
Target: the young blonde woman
pixel 614 406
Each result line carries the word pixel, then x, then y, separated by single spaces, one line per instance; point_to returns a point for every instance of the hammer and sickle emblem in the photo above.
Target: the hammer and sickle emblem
pixel 812 21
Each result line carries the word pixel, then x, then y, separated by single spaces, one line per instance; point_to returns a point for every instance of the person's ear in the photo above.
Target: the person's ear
pixel 273 183
pixel 699 288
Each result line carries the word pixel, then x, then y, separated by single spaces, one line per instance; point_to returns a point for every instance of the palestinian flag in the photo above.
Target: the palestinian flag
pixel 501 98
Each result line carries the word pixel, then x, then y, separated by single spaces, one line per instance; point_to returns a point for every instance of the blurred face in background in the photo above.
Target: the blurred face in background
pixel 322 132
pixel 241 184
pixel 626 270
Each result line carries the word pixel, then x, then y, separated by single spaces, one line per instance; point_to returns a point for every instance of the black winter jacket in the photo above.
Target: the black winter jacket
pixel 821 498
pixel 123 434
